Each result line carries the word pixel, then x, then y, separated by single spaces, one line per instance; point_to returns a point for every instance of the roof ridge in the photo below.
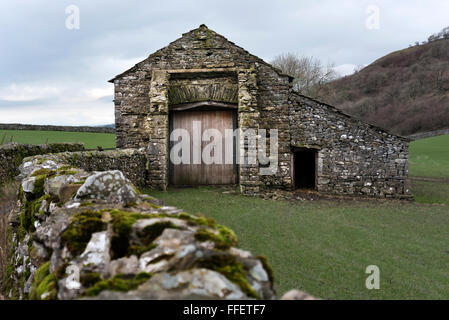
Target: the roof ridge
pixel 202 27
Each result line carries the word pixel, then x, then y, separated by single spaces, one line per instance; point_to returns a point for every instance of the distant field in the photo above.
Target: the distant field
pixel 90 140
pixel 430 157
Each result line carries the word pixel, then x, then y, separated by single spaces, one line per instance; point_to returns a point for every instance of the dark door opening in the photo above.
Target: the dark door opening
pixel 304 168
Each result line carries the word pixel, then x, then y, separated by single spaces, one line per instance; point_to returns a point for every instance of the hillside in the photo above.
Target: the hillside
pixel 405 92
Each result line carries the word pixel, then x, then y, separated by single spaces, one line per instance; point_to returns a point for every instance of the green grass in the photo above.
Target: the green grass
pixel 431 192
pixel 90 140
pixel 324 247
pixel 430 157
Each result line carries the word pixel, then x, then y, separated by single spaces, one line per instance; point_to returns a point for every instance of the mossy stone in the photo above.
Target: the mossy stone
pixel 44 283
pixel 79 232
pixel 123 283
pixel 224 239
pixel 233 270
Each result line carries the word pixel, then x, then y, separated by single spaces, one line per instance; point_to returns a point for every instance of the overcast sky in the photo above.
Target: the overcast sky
pixel 51 74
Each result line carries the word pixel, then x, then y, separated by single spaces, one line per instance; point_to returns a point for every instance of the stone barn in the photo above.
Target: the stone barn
pixel 204 77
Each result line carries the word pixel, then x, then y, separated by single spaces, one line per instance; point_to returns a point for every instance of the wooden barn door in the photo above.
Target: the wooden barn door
pixel 203 174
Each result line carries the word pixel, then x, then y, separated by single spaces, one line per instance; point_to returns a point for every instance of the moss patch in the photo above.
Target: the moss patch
pixel 86 204
pixel 29 213
pixel 79 232
pixel 89 279
pixel 122 222
pixel 267 267
pixel 38 190
pixel 44 285
pixel 123 283
pixel 162 257
pixel 138 250
pixel 41 160
pixel 43 171
pixel 60 272
pixel 224 239
pixel 201 220
pixel 151 232
pixel 233 270
pixel 8 286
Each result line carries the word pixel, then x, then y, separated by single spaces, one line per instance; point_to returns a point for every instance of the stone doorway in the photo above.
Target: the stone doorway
pixel 172 90
pixel 305 168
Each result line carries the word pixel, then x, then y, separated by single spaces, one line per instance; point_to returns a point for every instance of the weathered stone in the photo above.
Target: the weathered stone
pixel 297 295
pixel 141 224
pixel 53 186
pixel 126 265
pixel 66 192
pixel 28 184
pixel 38 254
pixel 109 185
pixel 50 231
pixel 184 285
pixel 97 251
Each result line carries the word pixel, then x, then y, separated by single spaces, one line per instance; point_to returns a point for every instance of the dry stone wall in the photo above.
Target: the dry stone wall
pixel 92 235
pixel 424 135
pixel 132 162
pixel 12 154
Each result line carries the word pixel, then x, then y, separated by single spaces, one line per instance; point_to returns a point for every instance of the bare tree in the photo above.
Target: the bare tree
pixel 443 34
pixel 310 73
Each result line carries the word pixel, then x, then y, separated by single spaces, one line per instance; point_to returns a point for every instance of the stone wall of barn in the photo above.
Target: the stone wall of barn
pixel 354 158
pixel 142 100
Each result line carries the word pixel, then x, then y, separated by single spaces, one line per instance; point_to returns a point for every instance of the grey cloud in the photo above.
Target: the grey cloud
pixel 10 104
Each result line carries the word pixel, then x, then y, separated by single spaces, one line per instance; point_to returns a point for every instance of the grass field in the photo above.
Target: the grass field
pixel 324 247
pixel 430 157
pixel 90 140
